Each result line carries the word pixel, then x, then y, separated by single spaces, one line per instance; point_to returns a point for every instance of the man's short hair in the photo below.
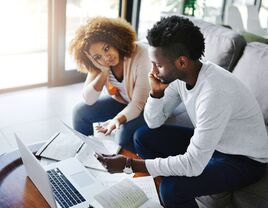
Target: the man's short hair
pixel 177 36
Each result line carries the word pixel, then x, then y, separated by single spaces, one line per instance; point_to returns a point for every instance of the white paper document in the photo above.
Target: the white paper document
pixel 108 179
pixel 74 144
pixel 109 141
pixel 87 158
pixel 146 183
pixel 128 194
pixel 121 195
pixel 60 147
pixel 99 144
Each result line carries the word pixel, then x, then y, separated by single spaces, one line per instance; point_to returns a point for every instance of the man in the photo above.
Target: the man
pixel 225 151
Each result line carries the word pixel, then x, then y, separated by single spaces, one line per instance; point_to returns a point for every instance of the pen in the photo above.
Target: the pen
pixel 80 147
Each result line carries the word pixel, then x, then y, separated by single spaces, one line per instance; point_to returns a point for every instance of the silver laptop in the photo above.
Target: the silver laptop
pixel 63 184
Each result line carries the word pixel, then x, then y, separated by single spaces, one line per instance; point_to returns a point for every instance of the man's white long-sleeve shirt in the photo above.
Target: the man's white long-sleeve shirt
pixel 226 117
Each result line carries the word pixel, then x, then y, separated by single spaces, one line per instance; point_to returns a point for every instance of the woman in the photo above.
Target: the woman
pixel 106 50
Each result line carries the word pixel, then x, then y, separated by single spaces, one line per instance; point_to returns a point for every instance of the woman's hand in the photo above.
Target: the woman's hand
pixel 113 163
pixel 108 126
pixel 97 64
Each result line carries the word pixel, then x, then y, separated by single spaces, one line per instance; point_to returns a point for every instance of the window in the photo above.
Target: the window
pixel 152 10
pixel 34 39
pixel 23 41
pixel 264 14
pixel 209 10
pixel 212 11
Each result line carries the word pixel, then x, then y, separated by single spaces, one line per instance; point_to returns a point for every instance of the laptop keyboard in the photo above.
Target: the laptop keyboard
pixel 65 193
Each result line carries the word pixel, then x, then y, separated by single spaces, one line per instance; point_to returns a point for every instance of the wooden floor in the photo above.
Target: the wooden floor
pixel 36 114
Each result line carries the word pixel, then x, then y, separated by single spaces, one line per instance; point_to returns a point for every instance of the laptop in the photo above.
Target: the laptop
pixel 63 184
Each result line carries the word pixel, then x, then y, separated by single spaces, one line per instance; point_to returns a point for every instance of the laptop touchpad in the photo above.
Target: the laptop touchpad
pixel 82 179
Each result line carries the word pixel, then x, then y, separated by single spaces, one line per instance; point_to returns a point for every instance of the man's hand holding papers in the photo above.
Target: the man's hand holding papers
pixel 113 163
pixel 74 144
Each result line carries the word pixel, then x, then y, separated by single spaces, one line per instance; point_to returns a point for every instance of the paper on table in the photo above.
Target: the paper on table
pixel 108 179
pixel 151 204
pixel 147 184
pixel 61 146
pixel 121 195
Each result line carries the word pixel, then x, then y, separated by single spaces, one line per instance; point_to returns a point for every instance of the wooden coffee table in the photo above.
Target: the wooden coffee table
pixel 17 190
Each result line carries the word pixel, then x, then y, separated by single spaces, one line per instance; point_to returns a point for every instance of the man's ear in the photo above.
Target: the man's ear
pixel 181 62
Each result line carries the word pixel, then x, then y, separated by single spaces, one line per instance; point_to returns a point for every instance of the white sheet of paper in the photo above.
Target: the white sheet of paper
pixel 92 145
pixel 151 204
pixel 92 141
pixel 87 158
pixel 108 179
pixel 61 147
pixel 109 141
pixel 121 195
pixel 147 184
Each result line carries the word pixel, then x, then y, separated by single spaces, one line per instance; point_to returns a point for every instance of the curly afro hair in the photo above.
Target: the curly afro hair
pixel 177 36
pixel 114 31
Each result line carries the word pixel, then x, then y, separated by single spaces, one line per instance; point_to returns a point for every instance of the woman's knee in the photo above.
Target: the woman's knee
pixel 124 137
pixel 81 119
pixel 81 111
pixel 78 110
pixel 140 135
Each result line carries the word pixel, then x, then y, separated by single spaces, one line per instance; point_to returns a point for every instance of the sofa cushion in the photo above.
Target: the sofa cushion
pixel 250 37
pixel 221 200
pixel 255 195
pixel 252 70
pixel 223 46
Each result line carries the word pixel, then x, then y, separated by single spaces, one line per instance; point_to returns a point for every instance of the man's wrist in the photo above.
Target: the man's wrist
pixel 128 166
pixel 156 94
pixel 138 165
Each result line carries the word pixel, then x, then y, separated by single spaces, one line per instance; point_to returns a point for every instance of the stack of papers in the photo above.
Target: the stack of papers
pixel 74 144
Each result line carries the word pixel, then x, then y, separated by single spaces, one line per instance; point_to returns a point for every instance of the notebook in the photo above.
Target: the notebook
pixel 129 194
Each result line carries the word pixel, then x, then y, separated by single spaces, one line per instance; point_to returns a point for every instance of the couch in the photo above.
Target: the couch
pixel 249 62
